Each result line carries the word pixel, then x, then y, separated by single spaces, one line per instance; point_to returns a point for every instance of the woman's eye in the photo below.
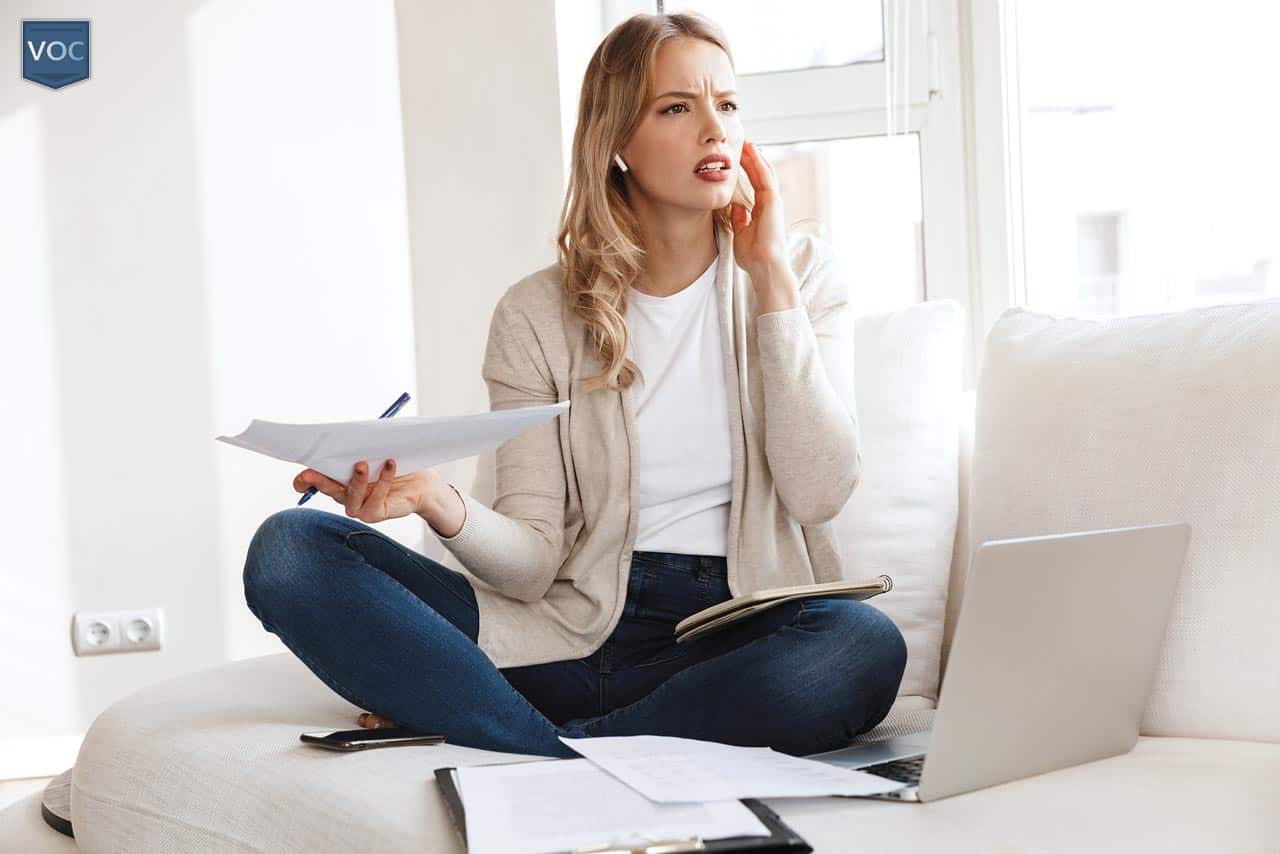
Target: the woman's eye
pixel 686 109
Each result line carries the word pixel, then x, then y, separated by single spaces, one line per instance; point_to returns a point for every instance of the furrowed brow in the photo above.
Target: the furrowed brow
pixel 694 94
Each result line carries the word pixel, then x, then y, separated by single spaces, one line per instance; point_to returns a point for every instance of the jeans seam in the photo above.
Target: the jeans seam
pixel 413 556
pixel 683 653
pixel 416 602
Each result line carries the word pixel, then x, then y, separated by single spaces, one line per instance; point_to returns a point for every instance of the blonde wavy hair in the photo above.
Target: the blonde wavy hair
pixel 598 241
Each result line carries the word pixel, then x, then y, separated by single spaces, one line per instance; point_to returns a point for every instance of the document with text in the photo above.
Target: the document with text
pixel 668 769
pixel 561 804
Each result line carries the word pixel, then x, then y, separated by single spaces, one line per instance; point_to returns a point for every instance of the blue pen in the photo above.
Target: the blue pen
pixel 391 410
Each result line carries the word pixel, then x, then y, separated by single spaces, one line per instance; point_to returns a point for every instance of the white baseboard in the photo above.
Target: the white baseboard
pixel 47 756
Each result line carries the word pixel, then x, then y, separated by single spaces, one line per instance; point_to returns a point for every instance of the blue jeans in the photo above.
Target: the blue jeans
pixel 394 632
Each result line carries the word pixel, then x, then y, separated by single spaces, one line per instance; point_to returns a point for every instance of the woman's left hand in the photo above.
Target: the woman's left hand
pixel 759 236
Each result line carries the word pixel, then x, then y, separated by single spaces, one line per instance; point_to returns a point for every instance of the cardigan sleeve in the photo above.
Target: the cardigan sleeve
pixel 812 438
pixel 516 545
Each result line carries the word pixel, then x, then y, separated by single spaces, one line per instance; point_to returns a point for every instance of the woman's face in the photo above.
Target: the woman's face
pixel 679 130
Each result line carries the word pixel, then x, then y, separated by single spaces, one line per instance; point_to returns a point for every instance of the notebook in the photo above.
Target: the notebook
pixel 731 610
pixel 780 838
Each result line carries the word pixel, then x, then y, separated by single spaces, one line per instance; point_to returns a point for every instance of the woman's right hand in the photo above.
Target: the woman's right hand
pixel 388 497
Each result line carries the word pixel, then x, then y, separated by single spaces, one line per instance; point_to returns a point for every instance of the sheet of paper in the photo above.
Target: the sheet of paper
pixel 668 769
pixel 538 807
pixel 414 443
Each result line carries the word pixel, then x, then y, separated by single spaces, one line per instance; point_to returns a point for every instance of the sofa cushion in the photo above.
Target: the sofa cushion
pixel 1086 424
pixel 23 830
pixel 210 761
pixel 901 519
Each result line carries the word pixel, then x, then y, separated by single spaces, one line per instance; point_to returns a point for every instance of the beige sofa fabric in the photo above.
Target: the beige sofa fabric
pixel 1086 424
pixel 211 762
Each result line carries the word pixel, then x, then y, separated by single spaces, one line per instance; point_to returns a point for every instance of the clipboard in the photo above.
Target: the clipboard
pixel 780 838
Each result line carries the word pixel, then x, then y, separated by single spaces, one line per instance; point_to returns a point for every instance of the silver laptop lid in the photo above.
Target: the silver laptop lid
pixel 1054 654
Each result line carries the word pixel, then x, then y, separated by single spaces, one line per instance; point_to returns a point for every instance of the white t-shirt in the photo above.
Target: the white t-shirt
pixel 685 450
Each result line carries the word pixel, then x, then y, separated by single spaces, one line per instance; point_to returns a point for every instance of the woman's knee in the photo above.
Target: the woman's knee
pixel 865 645
pixel 272 557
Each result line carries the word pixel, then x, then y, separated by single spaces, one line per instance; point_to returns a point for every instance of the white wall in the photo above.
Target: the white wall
pixel 213 228
pixel 482 131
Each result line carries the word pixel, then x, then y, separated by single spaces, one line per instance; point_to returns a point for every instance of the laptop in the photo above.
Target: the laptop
pixel 1053 658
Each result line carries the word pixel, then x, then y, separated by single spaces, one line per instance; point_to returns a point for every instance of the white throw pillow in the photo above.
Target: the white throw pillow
pixel 901 519
pixel 1085 424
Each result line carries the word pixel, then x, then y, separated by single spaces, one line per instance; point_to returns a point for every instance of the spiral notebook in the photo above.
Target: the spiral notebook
pixel 780 838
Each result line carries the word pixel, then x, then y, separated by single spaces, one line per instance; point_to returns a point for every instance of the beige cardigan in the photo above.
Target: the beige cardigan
pixel 549 561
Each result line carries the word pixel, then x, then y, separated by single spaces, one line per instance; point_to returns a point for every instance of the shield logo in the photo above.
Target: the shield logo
pixel 55 53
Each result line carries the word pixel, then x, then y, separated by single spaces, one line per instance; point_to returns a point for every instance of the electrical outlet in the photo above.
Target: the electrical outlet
pixel 103 632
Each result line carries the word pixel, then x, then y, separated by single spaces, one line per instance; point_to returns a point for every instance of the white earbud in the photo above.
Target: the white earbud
pixel 617 158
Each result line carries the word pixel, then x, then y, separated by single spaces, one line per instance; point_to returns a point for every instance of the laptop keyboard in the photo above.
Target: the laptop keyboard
pixel 902 770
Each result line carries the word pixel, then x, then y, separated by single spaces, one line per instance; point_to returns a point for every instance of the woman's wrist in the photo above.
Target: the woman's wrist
pixel 777 289
pixel 444 509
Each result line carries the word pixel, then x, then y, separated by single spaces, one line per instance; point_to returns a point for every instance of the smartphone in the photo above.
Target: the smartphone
pixel 364 738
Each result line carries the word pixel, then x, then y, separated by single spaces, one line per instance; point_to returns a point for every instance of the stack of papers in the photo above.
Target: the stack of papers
pixel 633 789
pixel 414 443
pixel 562 804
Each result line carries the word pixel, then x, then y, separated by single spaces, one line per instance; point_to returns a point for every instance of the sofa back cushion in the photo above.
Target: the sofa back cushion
pixel 901 519
pixel 1085 424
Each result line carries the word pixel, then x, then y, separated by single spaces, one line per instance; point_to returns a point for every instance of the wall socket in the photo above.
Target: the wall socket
pixel 103 632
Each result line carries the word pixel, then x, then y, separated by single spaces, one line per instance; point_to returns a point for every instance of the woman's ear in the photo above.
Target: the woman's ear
pixel 617 158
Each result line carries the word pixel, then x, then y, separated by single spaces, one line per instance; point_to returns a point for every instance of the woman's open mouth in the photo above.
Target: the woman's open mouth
pixel 714 170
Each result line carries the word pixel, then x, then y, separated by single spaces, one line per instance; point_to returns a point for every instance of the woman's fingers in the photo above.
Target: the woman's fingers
pixel 768 166
pixel 368 720
pixel 758 170
pixel 308 478
pixel 378 495
pixel 356 489
pixel 370 508
pixel 751 167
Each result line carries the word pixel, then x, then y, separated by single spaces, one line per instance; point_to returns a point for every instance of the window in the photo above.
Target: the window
pixel 1097 271
pixel 863 195
pixel 1147 146
pixel 800 34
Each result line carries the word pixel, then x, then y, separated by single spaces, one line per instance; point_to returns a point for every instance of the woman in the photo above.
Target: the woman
pixel 642 503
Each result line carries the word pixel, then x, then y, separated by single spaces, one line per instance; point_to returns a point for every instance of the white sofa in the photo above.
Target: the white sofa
pixel 1075 425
